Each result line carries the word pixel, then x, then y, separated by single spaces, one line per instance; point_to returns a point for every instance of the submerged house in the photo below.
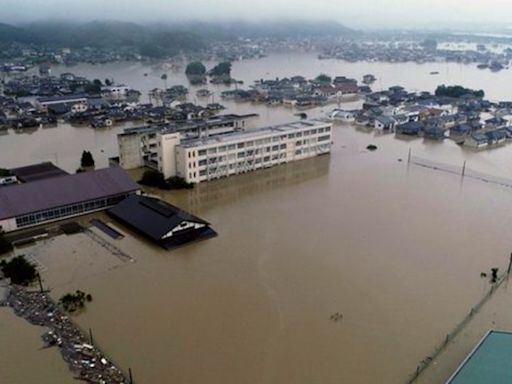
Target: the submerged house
pixel 160 222
pixel 477 140
pixel 413 128
pixel 384 123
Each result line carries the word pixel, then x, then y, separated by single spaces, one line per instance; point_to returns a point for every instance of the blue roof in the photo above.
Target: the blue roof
pixel 489 362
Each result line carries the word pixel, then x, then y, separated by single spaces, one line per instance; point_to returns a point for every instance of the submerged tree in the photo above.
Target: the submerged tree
pixel 457 91
pixel 221 69
pixel 164 78
pixel 195 68
pixel 19 270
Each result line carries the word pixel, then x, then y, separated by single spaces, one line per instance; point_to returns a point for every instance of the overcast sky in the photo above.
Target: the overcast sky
pixel 354 13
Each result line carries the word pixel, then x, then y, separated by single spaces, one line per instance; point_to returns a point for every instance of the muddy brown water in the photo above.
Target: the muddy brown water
pixel 397 249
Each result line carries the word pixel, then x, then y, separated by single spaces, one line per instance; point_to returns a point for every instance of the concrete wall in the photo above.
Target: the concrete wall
pixel 8 225
pixel 167 153
pixel 130 154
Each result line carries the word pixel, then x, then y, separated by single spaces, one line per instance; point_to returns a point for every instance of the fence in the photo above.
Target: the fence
pixel 425 363
pixel 123 256
pixel 461 170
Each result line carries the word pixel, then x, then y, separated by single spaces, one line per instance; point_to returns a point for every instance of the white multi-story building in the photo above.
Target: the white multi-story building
pixel 139 146
pixel 239 152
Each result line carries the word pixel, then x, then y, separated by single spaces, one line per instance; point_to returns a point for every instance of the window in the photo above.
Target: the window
pixel 202 162
pixel 202 152
pixel 324 138
pixel 240 145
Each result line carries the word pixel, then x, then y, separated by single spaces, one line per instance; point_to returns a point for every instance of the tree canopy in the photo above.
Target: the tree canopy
pixel 19 270
pixel 195 68
pixel 323 78
pixel 221 69
pixel 457 91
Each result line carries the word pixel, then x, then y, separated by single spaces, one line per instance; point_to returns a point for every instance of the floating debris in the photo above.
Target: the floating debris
pixel 371 147
pixel 84 359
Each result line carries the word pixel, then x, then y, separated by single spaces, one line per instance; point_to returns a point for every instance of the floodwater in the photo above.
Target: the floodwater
pixel 64 144
pixel 397 249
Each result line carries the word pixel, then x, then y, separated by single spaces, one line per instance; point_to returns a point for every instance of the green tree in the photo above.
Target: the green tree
pixel 323 78
pixel 457 91
pixel 221 69
pixel 19 270
pixel 195 68
pixel 94 87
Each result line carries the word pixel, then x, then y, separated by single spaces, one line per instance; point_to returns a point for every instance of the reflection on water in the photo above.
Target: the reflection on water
pixel 217 193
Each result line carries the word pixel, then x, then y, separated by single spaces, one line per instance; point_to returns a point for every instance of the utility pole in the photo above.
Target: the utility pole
pixel 90 336
pixel 40 282
pixel 464 168
pixel 509 265
pixel 409 156
pixel 130 375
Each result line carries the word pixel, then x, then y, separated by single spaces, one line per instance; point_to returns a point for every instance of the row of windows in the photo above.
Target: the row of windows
pixel 251 153
pixel 67 210
pixel 231 147
pixel 243 165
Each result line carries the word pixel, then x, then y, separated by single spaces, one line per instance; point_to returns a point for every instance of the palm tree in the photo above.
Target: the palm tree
pixel 164 78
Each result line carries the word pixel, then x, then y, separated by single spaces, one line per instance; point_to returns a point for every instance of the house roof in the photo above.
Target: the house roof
pixel 385 120
pixel 489 362
pixel 152 217
pixel 37 172
pixel 40 195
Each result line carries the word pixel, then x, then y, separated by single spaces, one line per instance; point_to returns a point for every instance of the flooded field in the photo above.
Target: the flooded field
pixel 397 249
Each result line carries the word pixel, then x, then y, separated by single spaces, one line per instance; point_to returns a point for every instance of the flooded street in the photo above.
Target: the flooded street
pixel 397 249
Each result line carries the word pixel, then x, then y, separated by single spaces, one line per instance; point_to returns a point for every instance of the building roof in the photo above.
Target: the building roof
pixel 62 99
pixel 489 362
pixel 255 133
pixel 152 217
pixel 37 172
pixel 54 192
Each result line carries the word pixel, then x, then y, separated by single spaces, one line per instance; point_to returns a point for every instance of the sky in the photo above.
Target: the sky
pixel 353 13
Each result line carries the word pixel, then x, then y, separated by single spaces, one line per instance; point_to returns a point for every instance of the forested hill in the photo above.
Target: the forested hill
pixel 156 39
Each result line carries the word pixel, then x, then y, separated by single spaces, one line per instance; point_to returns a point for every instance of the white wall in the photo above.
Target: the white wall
pixel 167 153
pixel 8 225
